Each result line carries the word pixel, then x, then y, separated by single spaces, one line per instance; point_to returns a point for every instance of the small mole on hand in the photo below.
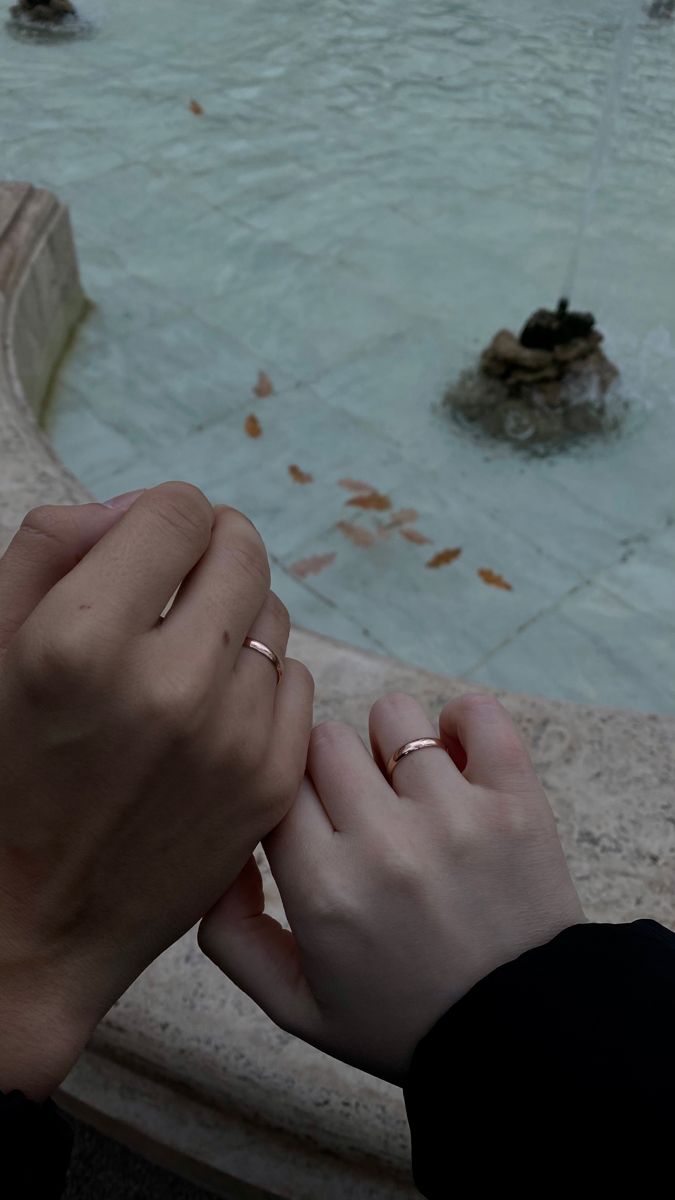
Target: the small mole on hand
pixel 85 606
pixel 226 638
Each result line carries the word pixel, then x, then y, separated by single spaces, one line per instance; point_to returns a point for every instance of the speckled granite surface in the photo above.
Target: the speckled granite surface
pixel 184 1063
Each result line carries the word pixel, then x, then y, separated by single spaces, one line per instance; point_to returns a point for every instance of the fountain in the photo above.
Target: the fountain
pixel 553 383
pixel 544 388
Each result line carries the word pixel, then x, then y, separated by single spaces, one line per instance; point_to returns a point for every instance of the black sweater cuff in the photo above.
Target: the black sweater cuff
pixel 36 1143
pixel 557 1067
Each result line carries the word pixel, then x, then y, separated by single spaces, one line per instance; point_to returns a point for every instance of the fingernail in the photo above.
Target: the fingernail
pixel 125 500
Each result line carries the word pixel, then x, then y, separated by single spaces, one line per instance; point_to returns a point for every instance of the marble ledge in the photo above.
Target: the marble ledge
pixel 184 1067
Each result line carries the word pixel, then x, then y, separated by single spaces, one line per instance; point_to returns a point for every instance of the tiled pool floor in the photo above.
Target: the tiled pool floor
pixel 369 194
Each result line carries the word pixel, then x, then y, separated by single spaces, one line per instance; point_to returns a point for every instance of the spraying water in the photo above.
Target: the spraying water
pixel 605 132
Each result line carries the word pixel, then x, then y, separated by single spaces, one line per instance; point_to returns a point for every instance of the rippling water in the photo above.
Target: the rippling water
pixel 372 191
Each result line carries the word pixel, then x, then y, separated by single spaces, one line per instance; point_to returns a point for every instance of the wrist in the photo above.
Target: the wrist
pixel 42 1034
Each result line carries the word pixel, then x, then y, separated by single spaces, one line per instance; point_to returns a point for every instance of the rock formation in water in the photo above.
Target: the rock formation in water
pixel 664 9
pixel 545 387
pixel 44 12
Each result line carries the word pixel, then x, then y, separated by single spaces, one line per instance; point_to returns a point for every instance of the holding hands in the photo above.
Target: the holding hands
pixel 147 747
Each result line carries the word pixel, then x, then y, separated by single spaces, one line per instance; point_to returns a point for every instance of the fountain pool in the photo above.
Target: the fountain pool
pixel 352 198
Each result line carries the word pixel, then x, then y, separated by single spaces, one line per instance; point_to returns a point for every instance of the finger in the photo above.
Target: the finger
pixel 298 850
pixel 496 755
pixel 257 954
pixel 51 541
pixel 257 676
pixel 349 784
pixel 290 732
pixel 224 592
pixel 396 720
pixel 128 578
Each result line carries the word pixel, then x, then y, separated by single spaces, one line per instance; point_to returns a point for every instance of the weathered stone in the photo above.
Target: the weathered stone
pixel 556 365
pixel 46 12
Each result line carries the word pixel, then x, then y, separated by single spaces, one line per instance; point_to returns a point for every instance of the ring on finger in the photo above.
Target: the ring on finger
pixel 262 648
pixel 412 747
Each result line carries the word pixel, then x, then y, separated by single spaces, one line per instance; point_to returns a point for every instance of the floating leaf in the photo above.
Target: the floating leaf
pixel 264 387
pixel 374 501
pixel 494 580
pixel 355 485
pixel 414 535
pixel 252 426
pixel 196 108
pixel 444 557
pixel 356 533
pixel 299 475
pixel 312 566
pixel 405 516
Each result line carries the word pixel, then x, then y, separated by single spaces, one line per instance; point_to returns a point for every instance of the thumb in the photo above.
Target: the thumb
pixel 259 955
pixel 50 542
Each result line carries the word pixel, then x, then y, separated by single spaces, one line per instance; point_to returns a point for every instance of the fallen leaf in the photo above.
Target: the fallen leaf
pixel 196 108
pixel 355 485
pixel 264 387
pixel 252 426
pixel 356 533
pixel 494 580
pixel 312 566
pixel 374 501
pixel 299 475
pixel 406 516
pixel 414 535
pixel 444 557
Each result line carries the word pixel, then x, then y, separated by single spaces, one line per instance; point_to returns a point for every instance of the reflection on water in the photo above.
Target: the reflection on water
pixel 367 193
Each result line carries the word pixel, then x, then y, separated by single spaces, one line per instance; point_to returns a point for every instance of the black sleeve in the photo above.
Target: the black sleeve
pixel 35 1147
pixel 557 1071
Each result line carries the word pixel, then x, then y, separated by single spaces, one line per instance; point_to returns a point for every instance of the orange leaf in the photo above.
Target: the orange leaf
pixel 252 426
pixel 264 387
pixel 299 475
pixel 444 557
pixel 405 517
pixel 494 580
pixel 356 533
pixel 373 501
pixel 312 566
pixel 354 485
pixel 414 535
pixel 196 108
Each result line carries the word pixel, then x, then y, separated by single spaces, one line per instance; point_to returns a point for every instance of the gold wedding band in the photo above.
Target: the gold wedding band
pixel 261 648
pixel 410 748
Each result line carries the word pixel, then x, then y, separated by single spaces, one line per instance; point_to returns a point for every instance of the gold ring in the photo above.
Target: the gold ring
pixel 410 748
pixel 261 648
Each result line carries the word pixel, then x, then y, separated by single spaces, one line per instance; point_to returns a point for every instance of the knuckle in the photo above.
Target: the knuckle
pixel 396 703
pixel 249 561
pixel 331 735
pixel 57 660
pixel 48 524
pixel 184 509
pixel 404 871
pixel 473 704
pixel 175 704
